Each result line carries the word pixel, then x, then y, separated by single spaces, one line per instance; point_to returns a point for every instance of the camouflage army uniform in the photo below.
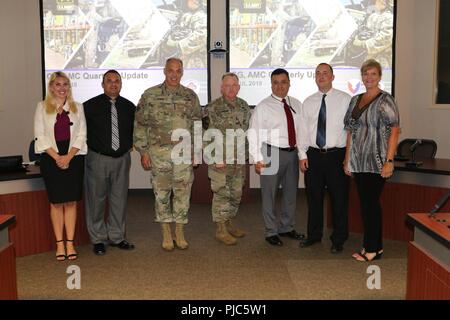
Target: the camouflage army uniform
pixel 379 47
pixel 158 113
pixel 193 46
pixel 227 182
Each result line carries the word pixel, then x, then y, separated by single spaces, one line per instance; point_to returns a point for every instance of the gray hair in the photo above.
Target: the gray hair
pixel 174 59
pixel 230 74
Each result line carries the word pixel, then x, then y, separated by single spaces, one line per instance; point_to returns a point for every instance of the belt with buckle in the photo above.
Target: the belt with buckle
pixel 325 150
pixel 107 154
pixel 288 149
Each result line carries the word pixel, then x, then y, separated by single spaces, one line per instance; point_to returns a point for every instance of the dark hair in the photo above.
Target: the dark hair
pixel 111 71
pixel 326 64
pixel 279 71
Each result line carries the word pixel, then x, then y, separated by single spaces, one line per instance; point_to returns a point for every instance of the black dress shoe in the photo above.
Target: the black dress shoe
pixel 99 249
pixel 336 248
pixel 124 245
pixel 308 242
pixel 293 235
pixel 274 240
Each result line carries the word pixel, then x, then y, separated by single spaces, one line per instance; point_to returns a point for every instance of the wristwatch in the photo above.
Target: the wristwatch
pixel 389 160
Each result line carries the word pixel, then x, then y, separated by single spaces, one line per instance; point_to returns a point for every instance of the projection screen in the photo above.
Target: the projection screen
pixel 84 38
pixel 299 34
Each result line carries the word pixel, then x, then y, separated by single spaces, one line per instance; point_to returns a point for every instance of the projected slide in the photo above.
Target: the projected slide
pixel 85 38
pixel 299 34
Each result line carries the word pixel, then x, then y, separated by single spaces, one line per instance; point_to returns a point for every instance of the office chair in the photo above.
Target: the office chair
pixel 423 148
pixel 31 154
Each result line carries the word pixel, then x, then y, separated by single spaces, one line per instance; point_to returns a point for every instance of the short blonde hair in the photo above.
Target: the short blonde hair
pixel 369 64
pixel 49 102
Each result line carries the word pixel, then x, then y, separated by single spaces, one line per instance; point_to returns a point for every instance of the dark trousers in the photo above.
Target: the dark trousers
pixel 325 172
pixel 370 186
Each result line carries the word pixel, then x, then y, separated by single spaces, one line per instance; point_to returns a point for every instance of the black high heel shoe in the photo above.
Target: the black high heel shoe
pixel 61 257
pixel 72 256
pixel 363 255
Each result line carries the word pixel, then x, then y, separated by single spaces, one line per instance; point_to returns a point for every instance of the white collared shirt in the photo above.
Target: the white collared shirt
pixel 269 115
pixel 337 105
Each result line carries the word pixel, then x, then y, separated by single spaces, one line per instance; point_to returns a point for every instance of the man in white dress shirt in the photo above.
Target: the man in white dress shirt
pixel 273 148
pixel 322 150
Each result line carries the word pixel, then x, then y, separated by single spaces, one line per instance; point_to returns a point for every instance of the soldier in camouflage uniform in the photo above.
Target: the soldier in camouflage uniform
pixel 190 35
pixel 380 27
pixel 161 110
pixel 227 179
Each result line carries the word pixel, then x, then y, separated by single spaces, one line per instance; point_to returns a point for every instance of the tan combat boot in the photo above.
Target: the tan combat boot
pixel 179 237
pixel 167 243
pixel 235 232
pixel 223 236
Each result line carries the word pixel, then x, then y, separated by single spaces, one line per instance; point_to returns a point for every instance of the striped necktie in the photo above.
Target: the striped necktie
pixel 322 124
pixel 115 144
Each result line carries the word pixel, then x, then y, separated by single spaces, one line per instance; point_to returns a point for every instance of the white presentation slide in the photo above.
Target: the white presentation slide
pixel 85 38
pixel 299 34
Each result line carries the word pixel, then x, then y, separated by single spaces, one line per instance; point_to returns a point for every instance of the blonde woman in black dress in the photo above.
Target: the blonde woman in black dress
pixel 60 138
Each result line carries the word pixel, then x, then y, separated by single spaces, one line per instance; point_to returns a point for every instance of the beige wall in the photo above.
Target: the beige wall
pixel 20 75
pixel 415 58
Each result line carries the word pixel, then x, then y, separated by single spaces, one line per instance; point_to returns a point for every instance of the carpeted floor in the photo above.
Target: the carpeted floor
pixel 209 270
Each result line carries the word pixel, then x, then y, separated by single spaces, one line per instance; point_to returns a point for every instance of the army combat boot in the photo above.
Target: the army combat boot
pixel 167 243
pixel 179 237
pixel 223 236
pixel 235 232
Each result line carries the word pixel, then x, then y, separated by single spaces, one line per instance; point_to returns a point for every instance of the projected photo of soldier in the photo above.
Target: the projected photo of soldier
pixel 249 33
pixel 270 37
pixel 334 27
pixel 64 31
pixel 187 37
pixel 294 28
pixel 373 38
pixel 139 42
pixel 106 28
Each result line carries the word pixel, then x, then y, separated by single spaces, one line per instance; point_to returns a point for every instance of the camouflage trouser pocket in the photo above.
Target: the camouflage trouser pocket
pixel 218 180
pixel 161 180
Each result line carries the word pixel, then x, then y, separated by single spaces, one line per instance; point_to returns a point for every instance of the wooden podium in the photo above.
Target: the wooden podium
pixel 429 257
pixel 8 278
pixel 23 193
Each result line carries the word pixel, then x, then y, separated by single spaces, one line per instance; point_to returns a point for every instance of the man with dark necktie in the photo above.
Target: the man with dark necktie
pixel 273 137
pixel 109 121
pixel 322 151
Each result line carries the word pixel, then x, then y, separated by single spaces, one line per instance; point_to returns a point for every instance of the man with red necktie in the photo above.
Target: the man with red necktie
pixel 274 128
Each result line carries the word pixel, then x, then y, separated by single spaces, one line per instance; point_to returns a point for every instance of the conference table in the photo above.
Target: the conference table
pixel 410 189
pixel 23 195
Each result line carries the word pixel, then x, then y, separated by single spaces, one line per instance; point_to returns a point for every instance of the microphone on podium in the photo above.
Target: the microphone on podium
pixel 441 202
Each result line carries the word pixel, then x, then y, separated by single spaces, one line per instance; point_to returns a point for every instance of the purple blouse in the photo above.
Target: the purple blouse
pixel 62 126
